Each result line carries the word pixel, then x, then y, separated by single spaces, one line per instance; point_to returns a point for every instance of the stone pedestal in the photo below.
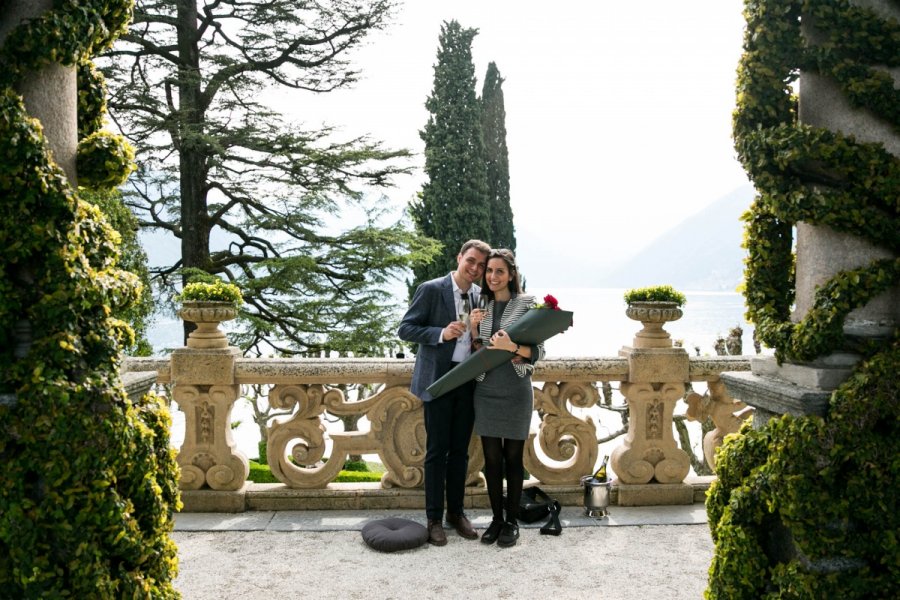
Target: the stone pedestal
pixel 649 456
pixel 773 396
pixel 656 494
pixel 137 384
pixel 205 391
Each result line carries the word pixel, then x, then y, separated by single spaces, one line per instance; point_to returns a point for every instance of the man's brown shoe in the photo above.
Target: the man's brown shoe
pixel 436 533
pixel 462 525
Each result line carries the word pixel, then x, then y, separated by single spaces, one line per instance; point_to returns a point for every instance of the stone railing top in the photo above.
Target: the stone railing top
pixel 705 368
pixel 137 383
pixel 399 371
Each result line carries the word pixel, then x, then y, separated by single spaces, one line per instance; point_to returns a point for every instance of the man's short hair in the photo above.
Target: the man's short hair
pixel 477 244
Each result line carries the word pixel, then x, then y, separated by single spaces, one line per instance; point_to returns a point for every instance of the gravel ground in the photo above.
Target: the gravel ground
pixel 639 562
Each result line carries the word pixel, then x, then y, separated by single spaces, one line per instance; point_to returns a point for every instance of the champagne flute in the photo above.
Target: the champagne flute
pixel 463 309
pixel 481 305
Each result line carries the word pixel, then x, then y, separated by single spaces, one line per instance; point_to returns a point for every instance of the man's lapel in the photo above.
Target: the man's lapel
pixel 449 300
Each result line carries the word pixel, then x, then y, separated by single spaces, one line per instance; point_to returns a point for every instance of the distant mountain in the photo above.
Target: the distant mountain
pixel 703 252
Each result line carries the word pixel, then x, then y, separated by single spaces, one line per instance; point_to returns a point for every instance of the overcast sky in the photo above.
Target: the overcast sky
pixel 618 115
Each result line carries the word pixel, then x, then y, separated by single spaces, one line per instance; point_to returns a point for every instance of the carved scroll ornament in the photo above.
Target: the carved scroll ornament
pixel 562 436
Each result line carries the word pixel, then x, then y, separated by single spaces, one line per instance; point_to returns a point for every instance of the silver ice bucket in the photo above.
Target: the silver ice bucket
pixel 596 496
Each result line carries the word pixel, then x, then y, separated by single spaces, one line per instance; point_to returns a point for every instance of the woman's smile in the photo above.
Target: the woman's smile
pixel 497 274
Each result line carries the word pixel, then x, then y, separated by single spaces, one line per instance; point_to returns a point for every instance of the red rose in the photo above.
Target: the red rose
pixel 551 302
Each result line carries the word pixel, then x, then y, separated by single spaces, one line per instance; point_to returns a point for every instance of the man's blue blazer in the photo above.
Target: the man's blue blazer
pixel 432 308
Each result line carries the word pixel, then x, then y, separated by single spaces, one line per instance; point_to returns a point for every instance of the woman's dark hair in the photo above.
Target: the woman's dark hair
pixel 514 285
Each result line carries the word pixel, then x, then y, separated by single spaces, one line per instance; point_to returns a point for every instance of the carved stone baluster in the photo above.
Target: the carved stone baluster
pixel 209 455
pixel 563 437
pixel 205 391
pixel 649 465
pixel 398 435
pixel 726 413
pixel 305 434
pixel 649 452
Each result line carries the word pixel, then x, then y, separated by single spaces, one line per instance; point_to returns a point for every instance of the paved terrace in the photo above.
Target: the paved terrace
pixel 275 541
pixel 644 552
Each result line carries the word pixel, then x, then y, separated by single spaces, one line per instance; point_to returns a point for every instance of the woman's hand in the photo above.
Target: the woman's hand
pixel 501 341
pixel 475 319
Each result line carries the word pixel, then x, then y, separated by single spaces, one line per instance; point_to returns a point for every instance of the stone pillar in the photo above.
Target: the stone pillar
pixel 821 251
pixel 50 94
pixel 205 390
pixel 649 465
pixel 801 389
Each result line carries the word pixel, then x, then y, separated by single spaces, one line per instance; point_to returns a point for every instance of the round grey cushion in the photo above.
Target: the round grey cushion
pixel 393 534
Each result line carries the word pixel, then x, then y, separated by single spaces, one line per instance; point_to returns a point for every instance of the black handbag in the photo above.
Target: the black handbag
pixel 534 505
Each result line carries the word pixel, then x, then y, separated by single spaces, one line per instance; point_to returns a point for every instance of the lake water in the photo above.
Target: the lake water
pixel 601 329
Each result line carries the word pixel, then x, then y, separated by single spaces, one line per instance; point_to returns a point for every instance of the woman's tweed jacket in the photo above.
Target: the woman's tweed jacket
pixel 516 307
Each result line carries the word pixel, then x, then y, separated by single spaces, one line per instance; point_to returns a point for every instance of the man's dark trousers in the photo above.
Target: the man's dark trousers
pixel 448 424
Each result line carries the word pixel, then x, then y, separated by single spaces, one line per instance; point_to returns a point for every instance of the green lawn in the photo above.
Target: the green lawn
pixel 352 473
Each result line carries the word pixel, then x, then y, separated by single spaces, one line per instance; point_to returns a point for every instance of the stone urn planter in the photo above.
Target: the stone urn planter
pixel 653 315
pixel 207 315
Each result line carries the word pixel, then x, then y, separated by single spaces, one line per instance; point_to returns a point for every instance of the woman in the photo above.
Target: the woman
pixel 504 399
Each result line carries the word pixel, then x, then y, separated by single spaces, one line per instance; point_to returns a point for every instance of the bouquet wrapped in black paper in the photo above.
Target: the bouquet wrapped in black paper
pixel 539 324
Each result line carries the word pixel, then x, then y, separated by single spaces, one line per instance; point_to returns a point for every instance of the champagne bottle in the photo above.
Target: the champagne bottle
pixel 600 474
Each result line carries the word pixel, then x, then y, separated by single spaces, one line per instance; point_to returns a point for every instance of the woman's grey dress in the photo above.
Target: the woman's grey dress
pixel 504 402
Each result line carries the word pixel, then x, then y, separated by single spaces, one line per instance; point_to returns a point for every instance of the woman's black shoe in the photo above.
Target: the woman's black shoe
pixel 508 535
pixel 553 526
pixel 491 534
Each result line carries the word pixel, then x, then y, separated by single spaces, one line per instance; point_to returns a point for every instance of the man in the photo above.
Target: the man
pixel 432 322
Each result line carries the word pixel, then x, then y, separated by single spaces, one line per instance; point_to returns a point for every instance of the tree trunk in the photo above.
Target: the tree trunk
pixel 192 156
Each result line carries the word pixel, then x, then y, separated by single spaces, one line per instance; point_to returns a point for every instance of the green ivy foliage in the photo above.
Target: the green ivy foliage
pixel 132 259
pixel 814 175
pixel 828 484
pixel 89 485
pixel 91 99
pixel 832 482
pixel 217 291
pixel 104 160
pixel 655 293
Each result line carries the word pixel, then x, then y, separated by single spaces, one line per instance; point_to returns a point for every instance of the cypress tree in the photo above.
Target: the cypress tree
pixel 453 205
pixel 493 123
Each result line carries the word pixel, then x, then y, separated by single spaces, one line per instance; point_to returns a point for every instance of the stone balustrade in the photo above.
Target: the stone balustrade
pixel 648 464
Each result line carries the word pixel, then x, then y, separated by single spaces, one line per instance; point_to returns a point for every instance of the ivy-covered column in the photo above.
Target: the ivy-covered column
pixel 834 179
pixel 49 93
pixel 823 252
pixel 49 96
pixel 805 504
pixel 88 490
